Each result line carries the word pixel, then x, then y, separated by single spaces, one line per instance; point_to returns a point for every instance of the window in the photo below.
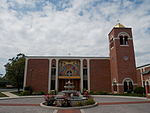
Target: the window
pixel 123 40
pixel 125 86
pixel 128 85
pixel 114 86
pixel 53 71
pixel 84 72
pixel 147 86
pixel 85 84
pixel 52 84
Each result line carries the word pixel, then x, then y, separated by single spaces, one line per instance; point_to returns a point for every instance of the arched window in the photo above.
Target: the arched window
pixel 147 86
pixel 123 37
pixel 114 86
pixel 53 74
pixel 125 86
pixel 85 73
pixel 123 40
pixel 128 85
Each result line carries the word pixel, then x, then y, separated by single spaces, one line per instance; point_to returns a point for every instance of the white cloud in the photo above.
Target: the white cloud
pixel 58 32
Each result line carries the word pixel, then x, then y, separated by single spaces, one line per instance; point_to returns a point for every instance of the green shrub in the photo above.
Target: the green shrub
pixel 129 91
pixel 80 103
pixel 25 93
pixel 99 93
pixel 28 88
pixel 90 101
pixel 91 92
pixel 52 92
pixel 49 99
pixel 38 93
pixel 139 90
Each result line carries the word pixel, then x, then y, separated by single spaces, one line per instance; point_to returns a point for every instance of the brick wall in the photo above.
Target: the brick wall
pixel 37 74
pixel 100 75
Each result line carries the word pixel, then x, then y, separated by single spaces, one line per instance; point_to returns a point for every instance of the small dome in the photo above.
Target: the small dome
pixel 119 26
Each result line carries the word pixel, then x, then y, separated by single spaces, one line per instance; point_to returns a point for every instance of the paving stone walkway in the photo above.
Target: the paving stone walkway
pixel 105 105
pixel 9 94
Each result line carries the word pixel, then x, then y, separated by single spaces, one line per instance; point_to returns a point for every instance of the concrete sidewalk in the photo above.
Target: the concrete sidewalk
pixel 10 94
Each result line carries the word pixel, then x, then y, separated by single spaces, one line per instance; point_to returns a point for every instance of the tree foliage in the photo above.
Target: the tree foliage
pixel 15 70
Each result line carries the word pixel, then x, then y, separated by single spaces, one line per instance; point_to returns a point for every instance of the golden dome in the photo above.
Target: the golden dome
pixel 119 26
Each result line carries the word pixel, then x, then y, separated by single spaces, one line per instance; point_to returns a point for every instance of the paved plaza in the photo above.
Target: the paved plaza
pixel 106 104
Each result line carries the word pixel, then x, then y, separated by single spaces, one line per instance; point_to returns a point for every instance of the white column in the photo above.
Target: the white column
pixel 25 72
pixel 56 79
pixel 141 77
pixel 81 75
pixel 88 73
pixel 49 76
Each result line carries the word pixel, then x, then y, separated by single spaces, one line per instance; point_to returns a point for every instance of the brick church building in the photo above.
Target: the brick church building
pixel 116 73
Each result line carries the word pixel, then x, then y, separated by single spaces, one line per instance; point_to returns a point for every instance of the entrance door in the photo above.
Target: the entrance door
pixel 62 83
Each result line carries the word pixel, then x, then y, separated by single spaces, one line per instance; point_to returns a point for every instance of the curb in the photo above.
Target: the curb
pixel 80 107
pixel 120 96
pixel 20 97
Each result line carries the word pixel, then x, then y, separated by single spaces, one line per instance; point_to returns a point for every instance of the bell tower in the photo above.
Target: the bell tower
pixel 122 59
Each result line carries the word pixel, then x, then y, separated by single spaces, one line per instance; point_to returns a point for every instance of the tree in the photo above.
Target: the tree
pixel 15 70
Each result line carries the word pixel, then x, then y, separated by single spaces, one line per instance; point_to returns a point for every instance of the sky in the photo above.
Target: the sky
pixel 76 27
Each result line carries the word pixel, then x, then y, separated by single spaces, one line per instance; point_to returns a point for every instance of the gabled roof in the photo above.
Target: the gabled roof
pixel 146 72
pixel 146 65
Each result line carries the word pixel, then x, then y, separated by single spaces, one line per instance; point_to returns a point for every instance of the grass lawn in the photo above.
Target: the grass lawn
pixel 16 93
pixel 2 95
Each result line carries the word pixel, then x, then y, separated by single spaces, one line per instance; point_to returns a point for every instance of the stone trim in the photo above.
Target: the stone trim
pixel 81 74
pixel 56 80
pixel 25 72
pixel 49 76
pixel 88 68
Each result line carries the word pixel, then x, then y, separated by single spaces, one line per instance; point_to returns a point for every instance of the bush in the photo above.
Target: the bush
pixel 38 93
pixel 52 92
pixel 49 99
pixel 139 90
pixel 89 101
pixel 25 93
pixel 129 91
pixel 80 103
pixel 28 88
pixel 99 93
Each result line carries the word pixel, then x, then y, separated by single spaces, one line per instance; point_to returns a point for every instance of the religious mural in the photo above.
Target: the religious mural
pixel 69 68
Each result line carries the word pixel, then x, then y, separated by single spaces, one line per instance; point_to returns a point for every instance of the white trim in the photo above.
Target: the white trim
pixel 81 74
pixel 124 34
pixel 116 38
pixel 56 79
pixel 141 77
pixel 88 68
pixel 55 111
pixel 147 80
pixel 142 67
pixel 49 76
pixel 25 72
pixel 64 57
pixel 120 84
pixel 82 111
pixel 128 79
pixel 125 45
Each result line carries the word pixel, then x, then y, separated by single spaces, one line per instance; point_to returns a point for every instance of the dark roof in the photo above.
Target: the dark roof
pixel 67 57
pixel 144 65
pixel 146 72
